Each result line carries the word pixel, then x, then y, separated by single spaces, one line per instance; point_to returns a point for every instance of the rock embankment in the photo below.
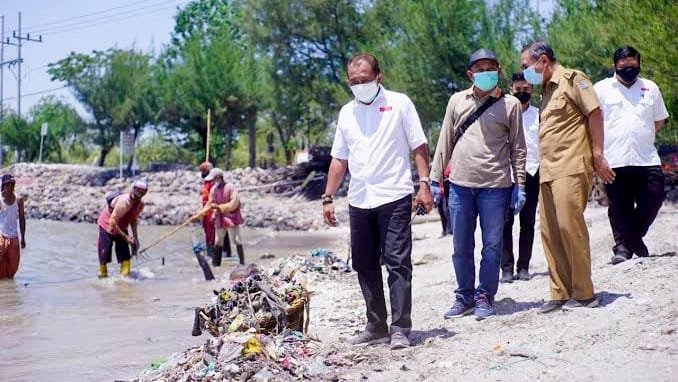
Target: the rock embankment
pixel 77 193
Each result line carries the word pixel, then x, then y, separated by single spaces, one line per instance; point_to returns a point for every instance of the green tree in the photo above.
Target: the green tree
pixel 114 87
pixel 66 131
pixel 306 45
pixel 647 25
pixel 18 134
pixel 208 66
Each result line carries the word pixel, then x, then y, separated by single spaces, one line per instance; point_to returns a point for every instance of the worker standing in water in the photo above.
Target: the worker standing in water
pixel 224 205
pixel 208 219
pixel 121 212
pixel 11 210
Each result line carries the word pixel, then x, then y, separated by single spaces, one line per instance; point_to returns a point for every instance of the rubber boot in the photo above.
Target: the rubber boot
pixel 227 245
pixel 210 251
pixel 216 258
pixel 241 254
pixel 125 266
pixel 103 271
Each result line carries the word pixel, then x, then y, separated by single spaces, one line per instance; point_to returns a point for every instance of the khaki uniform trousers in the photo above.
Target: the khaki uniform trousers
pixel 565 237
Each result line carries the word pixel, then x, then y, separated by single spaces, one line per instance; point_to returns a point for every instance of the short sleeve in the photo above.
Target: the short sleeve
pixel 339 146
pixel 660 112
pixel 412 125
pixel 584 95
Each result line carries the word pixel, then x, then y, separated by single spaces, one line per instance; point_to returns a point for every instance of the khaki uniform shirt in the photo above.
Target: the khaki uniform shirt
pixel 564 139
pixel 492 146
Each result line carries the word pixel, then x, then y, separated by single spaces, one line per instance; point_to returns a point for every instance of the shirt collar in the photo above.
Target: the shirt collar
pixel 617 83
pixel 496 93
pixel 558 73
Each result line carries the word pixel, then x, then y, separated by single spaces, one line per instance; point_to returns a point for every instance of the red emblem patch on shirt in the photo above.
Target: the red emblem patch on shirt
pixel 385 108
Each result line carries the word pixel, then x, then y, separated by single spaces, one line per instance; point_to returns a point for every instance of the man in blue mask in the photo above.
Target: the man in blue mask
pixel 571 147
pixel 482 137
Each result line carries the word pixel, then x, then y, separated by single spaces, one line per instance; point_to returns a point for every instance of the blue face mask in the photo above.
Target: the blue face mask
pixel 486 80
pixel 532 76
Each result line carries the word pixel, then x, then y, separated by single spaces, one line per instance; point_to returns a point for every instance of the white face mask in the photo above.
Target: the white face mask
pixel 366 93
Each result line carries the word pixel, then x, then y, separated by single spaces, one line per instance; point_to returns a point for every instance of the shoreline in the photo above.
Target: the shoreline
pixel 76 193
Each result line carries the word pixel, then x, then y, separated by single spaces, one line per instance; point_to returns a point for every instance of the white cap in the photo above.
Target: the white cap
pixel 214 173
pixel 141 184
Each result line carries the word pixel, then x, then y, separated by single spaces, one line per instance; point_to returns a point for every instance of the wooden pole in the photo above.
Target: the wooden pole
pixel 168 234
pixel 207 148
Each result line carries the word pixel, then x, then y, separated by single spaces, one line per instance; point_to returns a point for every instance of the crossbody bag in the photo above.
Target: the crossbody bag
pixel 473 117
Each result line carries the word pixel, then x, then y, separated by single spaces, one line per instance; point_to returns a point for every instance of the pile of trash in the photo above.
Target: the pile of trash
pixel 268 304
pixel 258 326
pixel 322 261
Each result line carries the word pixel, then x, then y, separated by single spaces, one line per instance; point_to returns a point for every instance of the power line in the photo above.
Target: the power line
pixel 38 92
pixel 129 13
pixel 105 22
pixel 30 27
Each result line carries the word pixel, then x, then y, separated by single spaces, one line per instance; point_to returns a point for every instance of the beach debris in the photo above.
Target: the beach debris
pixel 257 327
pixel 322 261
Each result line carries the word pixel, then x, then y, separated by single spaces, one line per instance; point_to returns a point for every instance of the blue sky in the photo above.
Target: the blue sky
pixel 77 26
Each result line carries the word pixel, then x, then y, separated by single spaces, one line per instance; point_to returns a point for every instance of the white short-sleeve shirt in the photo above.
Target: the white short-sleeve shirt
pixel 376 140
pixel 629 115
pixel 531 133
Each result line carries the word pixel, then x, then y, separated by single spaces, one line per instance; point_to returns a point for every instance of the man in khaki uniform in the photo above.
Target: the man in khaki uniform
pixel 571 146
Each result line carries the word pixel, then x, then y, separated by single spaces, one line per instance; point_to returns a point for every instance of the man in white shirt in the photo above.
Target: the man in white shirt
pixel 375 134
pixel 522 90
pixel 633 111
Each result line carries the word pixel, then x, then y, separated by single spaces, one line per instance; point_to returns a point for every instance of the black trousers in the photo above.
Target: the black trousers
pixel 384 231
pixel 635 198
pixel 527 219
pixel 105 243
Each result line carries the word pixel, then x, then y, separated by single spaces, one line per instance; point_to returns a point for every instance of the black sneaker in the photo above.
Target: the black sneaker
pixel 370 338
pixel 524 275
pixel 459 309
pixel 550 306
pixel 640 249
pixel 506 277
pixel 576 304
pixel 399 341
pixel 621 254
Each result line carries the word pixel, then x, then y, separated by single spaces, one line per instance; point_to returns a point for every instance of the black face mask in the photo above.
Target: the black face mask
pixel 524 97
pixel 628 74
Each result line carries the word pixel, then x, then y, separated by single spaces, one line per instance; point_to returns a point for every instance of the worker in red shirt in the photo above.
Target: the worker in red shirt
pixel 208 219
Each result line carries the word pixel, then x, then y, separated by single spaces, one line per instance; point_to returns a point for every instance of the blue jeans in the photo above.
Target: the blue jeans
pixel 466 204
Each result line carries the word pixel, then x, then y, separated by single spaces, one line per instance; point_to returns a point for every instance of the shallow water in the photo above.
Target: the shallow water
pixel 59 322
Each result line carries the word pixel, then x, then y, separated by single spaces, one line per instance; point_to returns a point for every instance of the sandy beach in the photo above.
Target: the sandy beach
pixel 631 337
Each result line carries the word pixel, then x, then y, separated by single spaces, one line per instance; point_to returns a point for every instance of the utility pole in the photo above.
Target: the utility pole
pixel 20 38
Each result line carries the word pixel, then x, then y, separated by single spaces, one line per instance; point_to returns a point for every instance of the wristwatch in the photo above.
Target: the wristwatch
pixel 425 179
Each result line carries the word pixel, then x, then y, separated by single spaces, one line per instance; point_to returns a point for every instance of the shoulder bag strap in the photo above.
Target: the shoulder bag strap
pixel 472 118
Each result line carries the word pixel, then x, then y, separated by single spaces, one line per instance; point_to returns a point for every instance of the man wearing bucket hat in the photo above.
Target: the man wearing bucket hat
pixel 224 205
pixel 482 137
pixel 122 212
pixel 11 210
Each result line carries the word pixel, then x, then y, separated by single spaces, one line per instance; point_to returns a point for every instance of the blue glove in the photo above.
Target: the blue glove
pixel 517 198
pixel 435 190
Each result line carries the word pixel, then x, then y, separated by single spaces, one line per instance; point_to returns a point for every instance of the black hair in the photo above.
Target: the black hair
pixel 369 58
pixel 517 77
pixel 539 47
pixel 625 52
